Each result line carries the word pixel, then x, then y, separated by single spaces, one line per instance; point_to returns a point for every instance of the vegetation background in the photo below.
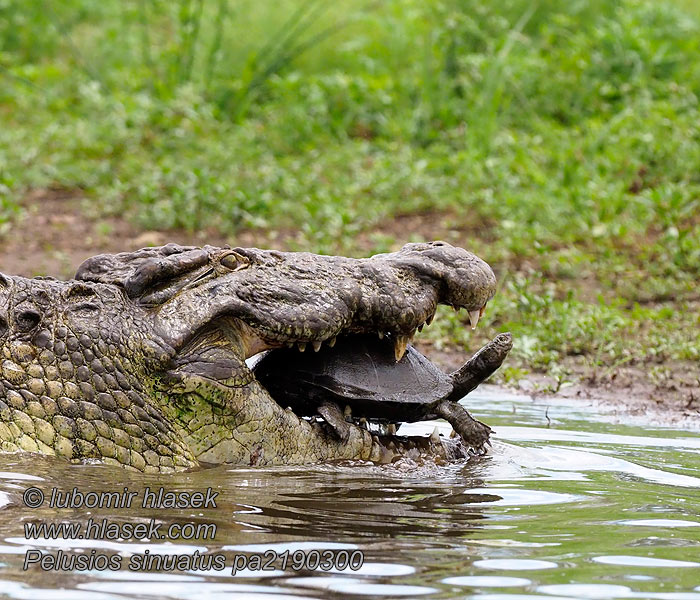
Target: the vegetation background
pixel 558 140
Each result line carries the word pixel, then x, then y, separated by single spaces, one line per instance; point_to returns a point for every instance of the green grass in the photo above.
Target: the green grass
pixel 563 137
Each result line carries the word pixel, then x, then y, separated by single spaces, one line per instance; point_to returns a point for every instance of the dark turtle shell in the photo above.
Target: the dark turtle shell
pixel 360 372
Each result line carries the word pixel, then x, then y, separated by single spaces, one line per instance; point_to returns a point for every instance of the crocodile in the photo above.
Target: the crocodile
pixel 140 360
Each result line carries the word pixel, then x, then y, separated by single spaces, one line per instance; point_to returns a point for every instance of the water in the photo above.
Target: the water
pixel 569 505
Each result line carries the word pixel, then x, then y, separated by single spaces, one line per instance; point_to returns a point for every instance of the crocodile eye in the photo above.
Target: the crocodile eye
pixel 234 261
pixel 27 319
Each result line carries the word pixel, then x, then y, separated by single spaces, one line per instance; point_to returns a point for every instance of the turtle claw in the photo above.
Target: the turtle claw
pixel 474 433
pixel 482 451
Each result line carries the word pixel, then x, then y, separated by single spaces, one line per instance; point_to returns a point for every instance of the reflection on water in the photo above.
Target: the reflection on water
pixel 581 509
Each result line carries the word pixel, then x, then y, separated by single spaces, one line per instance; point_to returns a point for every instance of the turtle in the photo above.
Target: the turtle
pixel 361 374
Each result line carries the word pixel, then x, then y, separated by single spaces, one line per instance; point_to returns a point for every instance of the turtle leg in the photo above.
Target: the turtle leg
pixel 332 415
pixel 474 433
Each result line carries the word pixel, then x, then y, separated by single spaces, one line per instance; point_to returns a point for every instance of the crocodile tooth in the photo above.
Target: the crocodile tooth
pixel 317 346
pixel 391 446
pixel 429 320
pixel 290 344
pixel 364 424
pixel 435 436
pixel 400 344
pixel 474 318
pixel 347 413
pixel 391 429
pixel 453 434
pixel 331 342
pixel 380 334
pixel 302 346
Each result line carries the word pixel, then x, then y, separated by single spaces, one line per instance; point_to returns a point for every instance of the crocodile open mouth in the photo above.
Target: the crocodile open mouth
pixel 360 373
pixel 363 379
pixel 378 376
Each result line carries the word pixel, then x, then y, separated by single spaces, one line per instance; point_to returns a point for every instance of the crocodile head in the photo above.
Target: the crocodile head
pixel 141 360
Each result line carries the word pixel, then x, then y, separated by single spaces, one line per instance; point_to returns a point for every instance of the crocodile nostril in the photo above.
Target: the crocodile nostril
pixel 27 320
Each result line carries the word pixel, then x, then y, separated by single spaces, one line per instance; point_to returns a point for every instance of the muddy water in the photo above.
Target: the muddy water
pixel 568 505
